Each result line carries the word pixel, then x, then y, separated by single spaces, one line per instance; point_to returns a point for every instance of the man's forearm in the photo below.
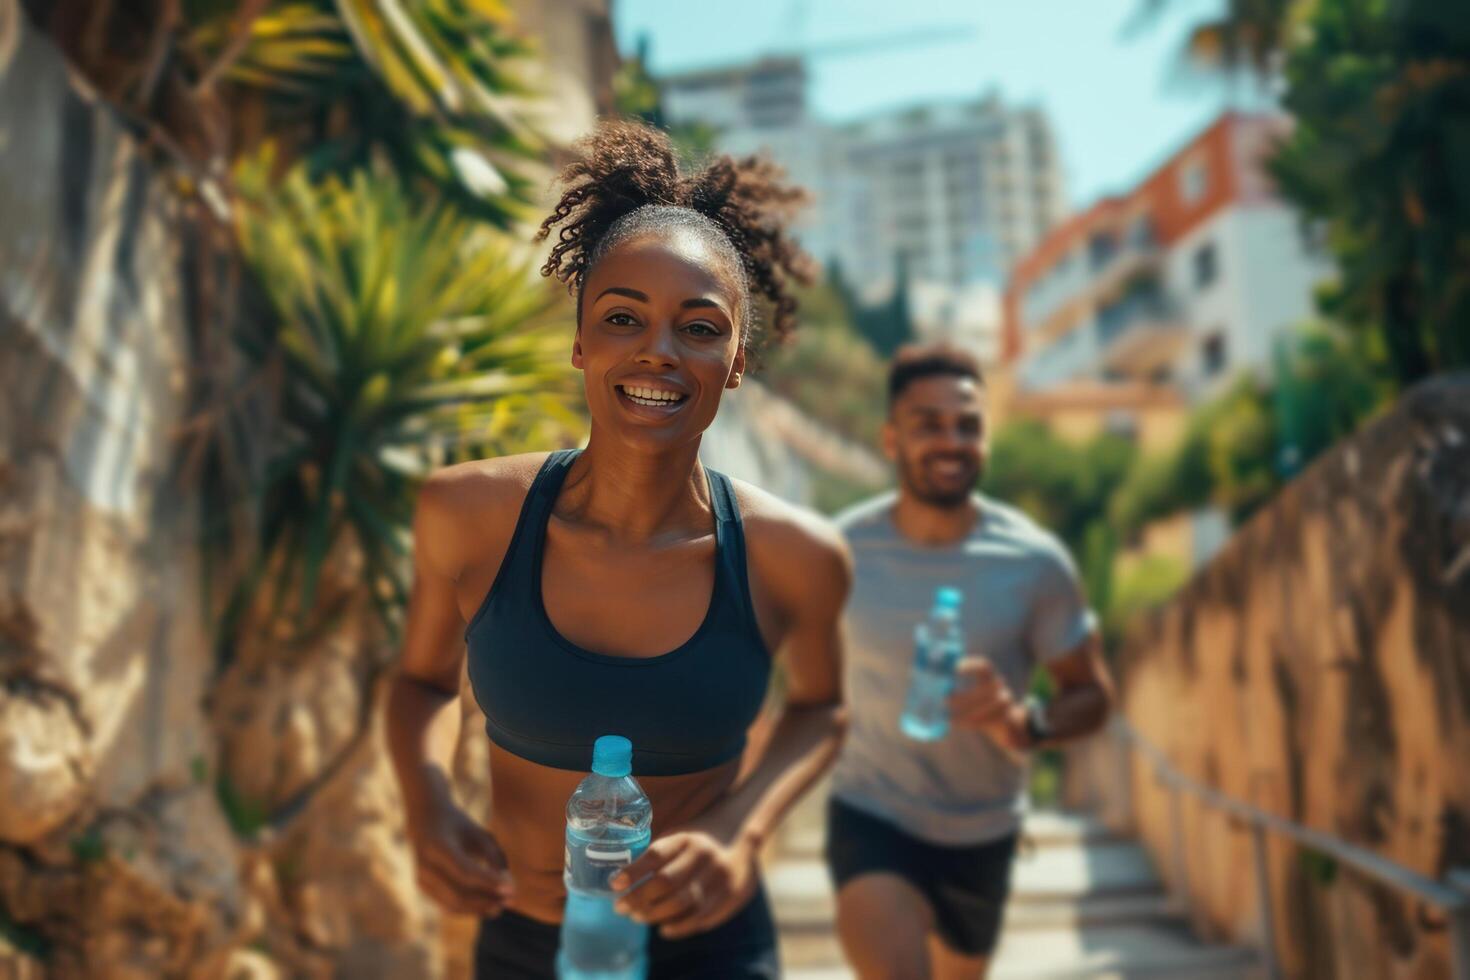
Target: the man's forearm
pixel 1075 713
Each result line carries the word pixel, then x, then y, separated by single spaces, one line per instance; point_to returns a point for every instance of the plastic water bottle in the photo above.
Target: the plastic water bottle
pixel 938 646
pixel 608 819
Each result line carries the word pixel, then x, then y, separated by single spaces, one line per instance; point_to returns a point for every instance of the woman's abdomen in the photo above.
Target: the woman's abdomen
pixel 528 819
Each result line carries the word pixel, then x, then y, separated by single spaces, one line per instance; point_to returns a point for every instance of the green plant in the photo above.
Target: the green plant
pixel 23 938
pixel 401 335
pixel 1242 445
pixel 1245 35
pixel 1064 485
pixel 1317 866
pixel 835 377
pixel 435 86
pixel 1152 581
pixel 89 847
pixel 1378 157
pixel 246 816
pixel 1047 770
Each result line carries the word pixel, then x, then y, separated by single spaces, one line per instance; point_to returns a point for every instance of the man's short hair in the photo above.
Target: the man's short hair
pixel 913 362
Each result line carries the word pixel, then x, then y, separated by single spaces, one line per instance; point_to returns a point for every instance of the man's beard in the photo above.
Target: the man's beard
pixel 911 477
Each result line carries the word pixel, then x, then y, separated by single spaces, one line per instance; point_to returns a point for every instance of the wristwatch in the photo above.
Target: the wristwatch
pixel 1038 729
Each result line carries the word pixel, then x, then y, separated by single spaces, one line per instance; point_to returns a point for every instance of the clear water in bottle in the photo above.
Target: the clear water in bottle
pixel 608 821
pixel 938 646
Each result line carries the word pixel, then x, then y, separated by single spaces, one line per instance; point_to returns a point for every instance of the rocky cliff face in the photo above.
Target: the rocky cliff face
pixel 160 815
pixel 112 850
pixel 1319 668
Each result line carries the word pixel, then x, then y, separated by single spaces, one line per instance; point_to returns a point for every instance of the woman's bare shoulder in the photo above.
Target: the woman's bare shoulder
pixel 470 509
pixel 792 546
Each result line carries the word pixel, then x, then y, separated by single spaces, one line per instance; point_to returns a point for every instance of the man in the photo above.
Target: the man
pixel 920 835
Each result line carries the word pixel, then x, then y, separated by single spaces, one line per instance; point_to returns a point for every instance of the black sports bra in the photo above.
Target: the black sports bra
pixel 547 699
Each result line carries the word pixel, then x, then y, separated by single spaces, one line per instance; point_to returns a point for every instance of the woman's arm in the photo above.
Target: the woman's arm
pixel 701 875
pixel 459 864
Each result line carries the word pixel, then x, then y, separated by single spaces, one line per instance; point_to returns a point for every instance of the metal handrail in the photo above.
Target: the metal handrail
pixel 1451 898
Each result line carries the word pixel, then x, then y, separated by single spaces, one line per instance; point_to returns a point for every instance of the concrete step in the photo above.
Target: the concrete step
pixel 1068 872
pixel 1154 950
pixel 1084 904
pixel 803 835
pixel 1134 952
pixel 1092 910
pixel 802 841
pixel 811 951
pixel 818 973
pixel 801 895
pixel 1044 828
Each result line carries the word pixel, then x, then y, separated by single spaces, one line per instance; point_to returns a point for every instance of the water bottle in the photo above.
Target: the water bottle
pixel 938 646
pixel 608 819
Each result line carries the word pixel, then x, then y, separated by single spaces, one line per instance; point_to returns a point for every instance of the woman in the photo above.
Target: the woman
pixel 625 589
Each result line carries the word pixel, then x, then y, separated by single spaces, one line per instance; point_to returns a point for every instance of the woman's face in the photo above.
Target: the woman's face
pixel 659 339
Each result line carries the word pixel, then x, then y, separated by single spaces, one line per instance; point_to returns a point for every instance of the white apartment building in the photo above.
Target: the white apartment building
pixel 1181 282
pixel 955 192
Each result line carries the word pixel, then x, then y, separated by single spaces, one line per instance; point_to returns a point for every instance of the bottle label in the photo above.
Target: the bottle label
pixel 590 863
pixel 600 856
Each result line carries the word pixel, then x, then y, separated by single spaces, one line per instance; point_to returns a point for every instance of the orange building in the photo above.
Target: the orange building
pixel 1146 302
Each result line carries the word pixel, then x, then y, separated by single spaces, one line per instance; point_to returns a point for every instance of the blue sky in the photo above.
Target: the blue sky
pixel 1116 99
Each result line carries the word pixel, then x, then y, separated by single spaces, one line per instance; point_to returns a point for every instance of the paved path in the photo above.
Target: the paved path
pixel 1084 904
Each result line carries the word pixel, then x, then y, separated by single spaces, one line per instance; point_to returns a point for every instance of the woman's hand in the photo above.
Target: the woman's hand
pixel 459 863
pixel 696 879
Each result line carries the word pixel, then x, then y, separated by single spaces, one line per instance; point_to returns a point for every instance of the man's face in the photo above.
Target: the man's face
pixel 935 434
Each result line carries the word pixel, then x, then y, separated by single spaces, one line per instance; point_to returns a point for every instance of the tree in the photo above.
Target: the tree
pixel 886 325
pixel 1243 445
pixel 1065 487
pixel 830 371
pixel 636 93
pixel 1381 156
pixel 1247 35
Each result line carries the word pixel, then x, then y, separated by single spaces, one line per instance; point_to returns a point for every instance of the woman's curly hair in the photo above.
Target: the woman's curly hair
pixel 626 180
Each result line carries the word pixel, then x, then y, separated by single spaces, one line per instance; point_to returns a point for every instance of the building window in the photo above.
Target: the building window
pixel 1101 248
pixel 1213 354
pixel 1141 232
pixel 1194 181
pixel 1206 265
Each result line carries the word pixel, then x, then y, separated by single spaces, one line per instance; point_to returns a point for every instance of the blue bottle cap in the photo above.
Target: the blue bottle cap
pixel 612 755
pixel 946 598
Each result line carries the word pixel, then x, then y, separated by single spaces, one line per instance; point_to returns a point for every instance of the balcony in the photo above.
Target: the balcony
pixel 1113 265
pixel 1140 336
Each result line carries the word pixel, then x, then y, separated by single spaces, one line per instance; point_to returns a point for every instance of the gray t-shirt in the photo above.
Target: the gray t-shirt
pixel 1023 605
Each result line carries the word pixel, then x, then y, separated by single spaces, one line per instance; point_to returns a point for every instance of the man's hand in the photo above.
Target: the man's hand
pixel 984 702
pixel 695 881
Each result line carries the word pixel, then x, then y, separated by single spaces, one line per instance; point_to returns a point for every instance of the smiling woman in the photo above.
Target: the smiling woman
pixel 625 589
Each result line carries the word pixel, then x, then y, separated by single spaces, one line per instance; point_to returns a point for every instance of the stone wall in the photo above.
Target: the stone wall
pixel 112 849
pixel 1319 668
pixel 162 814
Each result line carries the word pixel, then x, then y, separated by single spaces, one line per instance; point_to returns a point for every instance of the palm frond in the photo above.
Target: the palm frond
pixel 407 332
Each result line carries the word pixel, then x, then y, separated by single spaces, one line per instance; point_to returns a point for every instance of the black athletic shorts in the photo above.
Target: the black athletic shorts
pixel 514 947
pixel 966 887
